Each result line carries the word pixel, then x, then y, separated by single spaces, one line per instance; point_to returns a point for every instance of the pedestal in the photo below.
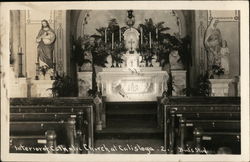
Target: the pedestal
pixel 238 86
pixel 18 86
pixel 84 83
pixel 40 88
pixel 178 82
pixel 220 87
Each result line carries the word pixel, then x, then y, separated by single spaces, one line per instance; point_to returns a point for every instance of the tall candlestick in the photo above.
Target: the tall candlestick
pixel 149 39
pixel 112 41
pixel 105 35
pixel 141 35
pixel 120 35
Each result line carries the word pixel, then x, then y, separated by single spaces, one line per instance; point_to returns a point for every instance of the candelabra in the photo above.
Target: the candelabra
pixel 20 73
pixel 37 71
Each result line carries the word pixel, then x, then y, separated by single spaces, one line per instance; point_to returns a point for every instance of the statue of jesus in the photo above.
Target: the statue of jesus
pixel 46 40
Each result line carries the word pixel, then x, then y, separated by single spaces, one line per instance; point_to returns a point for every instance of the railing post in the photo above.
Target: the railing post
pixel 80 129
pixel 165 127
pixel 71 132
pixel 90 117
pixel 103 116
pixel 172 131
pixel 197 137
pixel 50 136
pixel 159 113
pixel 182 132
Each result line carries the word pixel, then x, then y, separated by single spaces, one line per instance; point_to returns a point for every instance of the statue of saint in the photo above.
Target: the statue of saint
pixel 46 39
pixel 174 60
pixel 224 52
pixel 212 43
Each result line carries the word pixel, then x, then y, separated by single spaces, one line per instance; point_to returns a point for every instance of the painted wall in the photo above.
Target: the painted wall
pixel 33 25
pixel 30 22
pixel 230 32
pixel 100 18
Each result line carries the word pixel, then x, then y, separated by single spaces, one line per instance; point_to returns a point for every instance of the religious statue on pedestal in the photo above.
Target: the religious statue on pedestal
pixel 46 40
pixel 212 44
pixel 174 61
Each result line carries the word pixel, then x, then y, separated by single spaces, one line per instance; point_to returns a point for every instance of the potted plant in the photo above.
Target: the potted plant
pixel 218 71
pixel 63 86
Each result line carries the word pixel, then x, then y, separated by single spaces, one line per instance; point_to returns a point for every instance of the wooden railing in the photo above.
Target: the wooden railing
pixel 52 121
pixel 196 122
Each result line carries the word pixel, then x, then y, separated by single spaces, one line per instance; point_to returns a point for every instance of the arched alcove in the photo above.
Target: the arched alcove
pixel 100 18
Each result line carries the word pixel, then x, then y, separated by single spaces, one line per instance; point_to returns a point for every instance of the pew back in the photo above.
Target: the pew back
pixel 210 113
pixel 33 116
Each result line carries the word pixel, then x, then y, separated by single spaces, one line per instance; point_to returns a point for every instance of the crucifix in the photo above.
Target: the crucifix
pixel 131 47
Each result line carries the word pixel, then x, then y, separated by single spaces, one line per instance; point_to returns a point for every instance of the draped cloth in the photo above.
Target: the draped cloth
pixel 46 40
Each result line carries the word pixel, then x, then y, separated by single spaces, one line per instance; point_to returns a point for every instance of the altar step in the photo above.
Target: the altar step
pixel 131 121
pixel 137 108
pixel 129 133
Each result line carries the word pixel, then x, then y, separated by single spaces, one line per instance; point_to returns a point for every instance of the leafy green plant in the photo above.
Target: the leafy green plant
pixel 203 86
pixel 218 70
pixel 79 47
pixel 64 86
pixel 162 43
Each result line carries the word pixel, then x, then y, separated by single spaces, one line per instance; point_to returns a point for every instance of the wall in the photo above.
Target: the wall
pixel 230 33
pixel 25 26
pixel 33 25
pixel 229 27
pixel 100 18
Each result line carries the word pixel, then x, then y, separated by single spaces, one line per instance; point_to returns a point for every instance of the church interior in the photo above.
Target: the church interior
pixel 125 82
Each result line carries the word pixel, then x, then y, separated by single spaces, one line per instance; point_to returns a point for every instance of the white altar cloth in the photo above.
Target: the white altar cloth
pixel 132 84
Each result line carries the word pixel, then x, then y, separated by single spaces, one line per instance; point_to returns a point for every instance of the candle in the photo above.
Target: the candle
pixel 120 34
pixel 105 35
pixel 112 41
pixel 141 35
pixel 156 31
pixel 20 50
pixel 149 39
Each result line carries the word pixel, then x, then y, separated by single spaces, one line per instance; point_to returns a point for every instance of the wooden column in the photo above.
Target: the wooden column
pixel 51 139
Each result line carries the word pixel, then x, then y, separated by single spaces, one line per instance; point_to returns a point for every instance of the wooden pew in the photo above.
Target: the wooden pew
pixel 36 115
pixel 196 108
pixel 33 143
pixel 38 134
pixel 209 133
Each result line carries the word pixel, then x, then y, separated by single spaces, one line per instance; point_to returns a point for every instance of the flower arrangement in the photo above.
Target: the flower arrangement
pixel 218 70
pixel 157 42
pixel 44 69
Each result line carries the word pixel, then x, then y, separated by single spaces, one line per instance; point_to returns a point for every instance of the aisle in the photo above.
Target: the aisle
pixel 131 129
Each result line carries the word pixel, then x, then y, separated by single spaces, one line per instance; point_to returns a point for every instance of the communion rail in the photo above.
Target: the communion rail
pixel 193 123
pixel 39 122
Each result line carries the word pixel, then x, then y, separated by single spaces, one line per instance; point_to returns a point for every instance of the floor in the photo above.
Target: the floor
pixel 131 129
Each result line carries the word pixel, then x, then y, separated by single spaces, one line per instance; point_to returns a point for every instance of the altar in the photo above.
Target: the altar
pixel 132 84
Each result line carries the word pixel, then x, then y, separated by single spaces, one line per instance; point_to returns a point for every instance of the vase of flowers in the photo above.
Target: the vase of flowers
pixel 218 71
